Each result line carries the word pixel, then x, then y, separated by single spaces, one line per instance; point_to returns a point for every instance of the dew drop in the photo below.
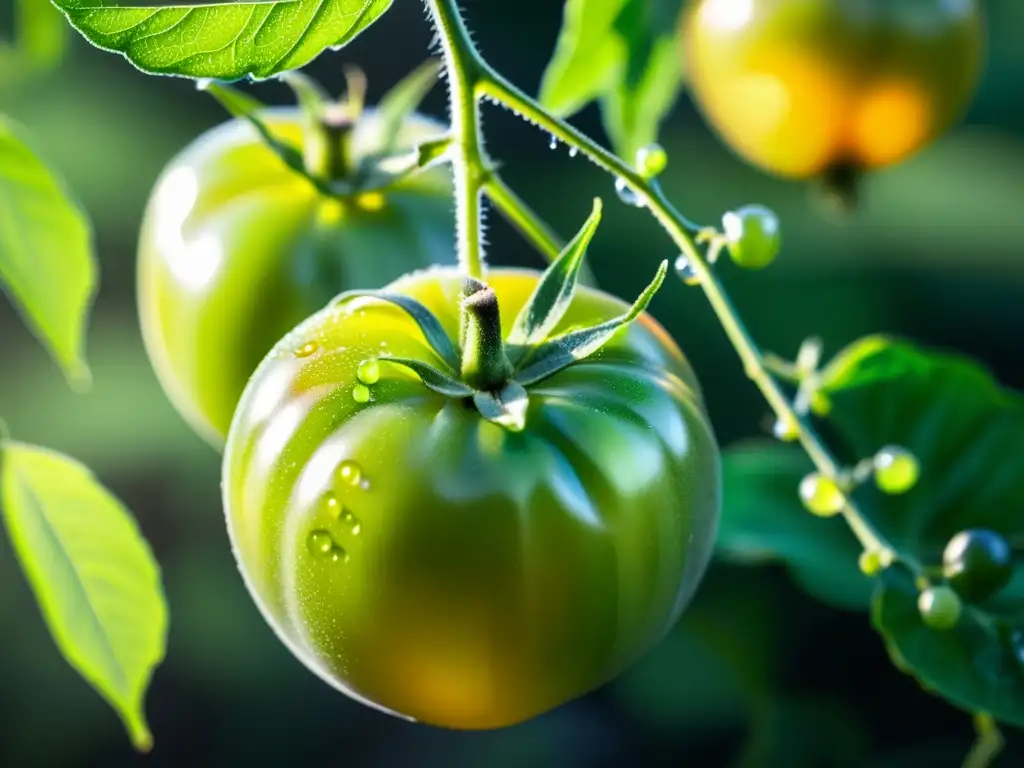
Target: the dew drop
pixel 350 473
pixel 361 393
pixel 627 195
pixel 686 271
pixel 365 484
pixel 351 522
pixel 334 508
pixel 573 151
pixel 320 543
pixel 368 372
pixel 307 350
pixel 553 144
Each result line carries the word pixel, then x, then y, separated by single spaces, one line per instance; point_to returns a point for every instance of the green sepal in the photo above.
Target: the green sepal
pixel 313 100
pixel 562 351
pixel 553 294
pixel 506 408
pixel 402 100
pixel 432 378
pixel 245 107
pixel 425 319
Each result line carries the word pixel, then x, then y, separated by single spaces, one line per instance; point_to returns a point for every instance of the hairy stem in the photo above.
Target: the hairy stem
pixel 464 68
pixel 467 69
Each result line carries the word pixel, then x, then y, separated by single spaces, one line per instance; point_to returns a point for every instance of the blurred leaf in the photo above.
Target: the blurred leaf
pixel 763 519
pixel 226 41
pixel 966 432
pixel 402 100
pixel 622 52
pixel 46 260
pixel 42 33
pixel 976 665
pixel 93 575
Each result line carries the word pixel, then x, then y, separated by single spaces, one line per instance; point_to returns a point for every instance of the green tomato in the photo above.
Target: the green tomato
pixel 440 567
pixel 752 236
pixel 940 608
pixel 977 563
pixel 821 496
pixel 802 87
pixel 237 249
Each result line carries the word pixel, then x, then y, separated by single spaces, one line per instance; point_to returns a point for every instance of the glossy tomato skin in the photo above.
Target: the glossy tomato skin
pixel 437 566
pixel 798 87
pixel 237 249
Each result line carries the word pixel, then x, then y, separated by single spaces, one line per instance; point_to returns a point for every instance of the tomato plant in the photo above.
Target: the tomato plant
pixel 804 88
pixel 237 248
pixel 466 494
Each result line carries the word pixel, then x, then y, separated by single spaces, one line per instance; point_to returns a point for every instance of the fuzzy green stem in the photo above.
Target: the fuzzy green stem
pixel 464 67
pixel 485 366
pixel 467 70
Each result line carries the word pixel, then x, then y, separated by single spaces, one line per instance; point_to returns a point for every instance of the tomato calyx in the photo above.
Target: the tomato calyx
pixel 326 157
pixel 493 373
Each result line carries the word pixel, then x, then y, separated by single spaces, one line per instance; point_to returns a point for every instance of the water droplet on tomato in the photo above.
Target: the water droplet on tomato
pixel 350 473
pixel 351 522
pixel 368 372
pixel 320 543
pixel 307 350
pixel 361 393
pixel 627 195
pixel 332 504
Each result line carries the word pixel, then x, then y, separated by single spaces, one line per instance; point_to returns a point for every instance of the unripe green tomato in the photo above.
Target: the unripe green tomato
pixel 801 87
pixel 752 235
pixel 977 563
pixel 940 607
pixel 896 470
pixel 440 567
pixel 236 249
pixel 821 496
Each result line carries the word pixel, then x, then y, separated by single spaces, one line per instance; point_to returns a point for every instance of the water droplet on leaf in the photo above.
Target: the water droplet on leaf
pixel 651 160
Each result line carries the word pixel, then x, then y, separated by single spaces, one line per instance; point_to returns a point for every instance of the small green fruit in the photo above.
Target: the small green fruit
pixel 752 235
pixel 940 607
pixel 977 563
pixel 821 495
pixel 896 470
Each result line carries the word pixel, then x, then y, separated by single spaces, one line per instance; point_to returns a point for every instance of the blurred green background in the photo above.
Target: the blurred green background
pixel 756 674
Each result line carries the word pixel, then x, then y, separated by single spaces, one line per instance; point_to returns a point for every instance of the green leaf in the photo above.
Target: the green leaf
pixel 763 520
pixel 507 408
pixel 430 325
pixel 554 291
pixel 966 431
pixel 562 351
pixel 46 261
pixel 588 56
pixel 622 53
pixel 432 378
pixel 92 573
pixel 226 41
pixel 633 113
pixel 402 100
pixel 313 99
pixel 977 665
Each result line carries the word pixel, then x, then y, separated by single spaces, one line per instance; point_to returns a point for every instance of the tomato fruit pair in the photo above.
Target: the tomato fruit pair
pixel 423 557
pixel 803 88
pixel 237 249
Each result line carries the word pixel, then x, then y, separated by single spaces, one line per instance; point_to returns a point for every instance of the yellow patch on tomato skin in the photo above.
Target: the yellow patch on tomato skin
pixel 892 121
